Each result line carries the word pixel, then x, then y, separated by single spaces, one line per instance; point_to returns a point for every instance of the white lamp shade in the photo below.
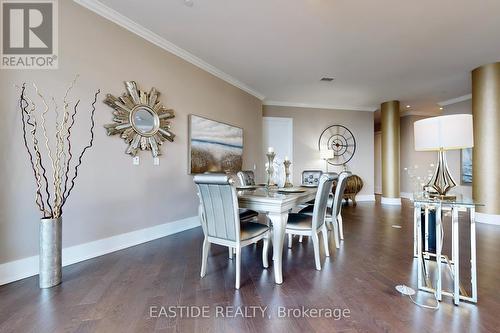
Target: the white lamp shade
pixel 326 154
pixel 445 132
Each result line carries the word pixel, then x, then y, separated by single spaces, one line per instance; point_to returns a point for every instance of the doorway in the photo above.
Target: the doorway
pixel 278 133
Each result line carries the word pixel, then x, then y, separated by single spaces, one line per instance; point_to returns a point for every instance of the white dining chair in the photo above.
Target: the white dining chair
pixel 220 220
pixel 246 177
pixel 334 210
pixel 311 177
pixel 312 224
pixel 339 196
pixel 307 207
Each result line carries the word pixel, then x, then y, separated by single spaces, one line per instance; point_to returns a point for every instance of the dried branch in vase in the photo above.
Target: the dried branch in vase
pixel 52 191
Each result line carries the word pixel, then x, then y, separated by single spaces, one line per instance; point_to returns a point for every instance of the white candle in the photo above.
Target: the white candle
pixel 286 158
pixel 270 150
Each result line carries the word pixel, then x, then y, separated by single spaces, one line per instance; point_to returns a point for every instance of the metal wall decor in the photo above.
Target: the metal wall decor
pixel 339 139
pixel 140 119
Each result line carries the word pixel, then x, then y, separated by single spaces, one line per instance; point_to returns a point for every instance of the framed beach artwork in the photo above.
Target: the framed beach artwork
pixel 214 146
pixel 466 166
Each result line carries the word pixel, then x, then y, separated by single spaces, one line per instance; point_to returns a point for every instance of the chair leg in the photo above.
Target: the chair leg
pixel 300 239
pixel 238 267
pixel 315 241
pixel 265 249
pixel 290 241
pixel 341 227
pixel 204 257
pixel 324 231
pixel 328 223
pixel 230 252
pixel 335 226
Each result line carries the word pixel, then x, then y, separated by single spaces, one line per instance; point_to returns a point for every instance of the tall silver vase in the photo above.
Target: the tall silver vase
pixel 50 252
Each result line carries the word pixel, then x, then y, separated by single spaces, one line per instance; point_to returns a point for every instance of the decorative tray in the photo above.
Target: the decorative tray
pixel 246 188
pixel 290 190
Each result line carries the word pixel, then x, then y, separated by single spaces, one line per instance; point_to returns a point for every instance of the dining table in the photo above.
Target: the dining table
pixel 276 203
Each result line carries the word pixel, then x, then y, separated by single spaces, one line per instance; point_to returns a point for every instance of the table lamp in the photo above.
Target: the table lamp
pixel 441 134
pixel 326 154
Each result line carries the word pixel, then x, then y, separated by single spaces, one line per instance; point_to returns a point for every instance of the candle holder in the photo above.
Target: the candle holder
pixel 287 164
pixel 270 168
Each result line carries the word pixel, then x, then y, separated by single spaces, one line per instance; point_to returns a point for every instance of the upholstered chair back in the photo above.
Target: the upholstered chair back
pixel 246 177
pixel 218 206
pixel 339 192
pixel 311 177
pixel 321 200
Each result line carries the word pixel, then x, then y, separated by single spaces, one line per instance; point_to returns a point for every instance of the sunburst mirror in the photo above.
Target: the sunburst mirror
pixel 140 119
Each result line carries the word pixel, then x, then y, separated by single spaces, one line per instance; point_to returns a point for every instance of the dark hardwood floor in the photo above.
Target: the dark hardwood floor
pixel 116 292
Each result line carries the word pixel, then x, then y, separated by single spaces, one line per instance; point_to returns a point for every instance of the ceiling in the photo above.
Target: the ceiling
pixel 419 52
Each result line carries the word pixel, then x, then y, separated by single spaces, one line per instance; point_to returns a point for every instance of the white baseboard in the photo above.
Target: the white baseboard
pixel 406 195
pixel 26 267
pixel 391 201
pixel 488 218
pixel 365 197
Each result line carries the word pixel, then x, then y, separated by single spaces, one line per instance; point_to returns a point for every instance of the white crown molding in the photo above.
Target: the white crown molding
pixel 455 100
pixel 123 21
pixel 26 267
pixel 320 106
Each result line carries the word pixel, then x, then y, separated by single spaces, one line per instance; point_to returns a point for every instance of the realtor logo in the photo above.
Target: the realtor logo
pixel 29 34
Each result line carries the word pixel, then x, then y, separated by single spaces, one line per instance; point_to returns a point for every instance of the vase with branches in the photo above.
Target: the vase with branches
pixel 55 168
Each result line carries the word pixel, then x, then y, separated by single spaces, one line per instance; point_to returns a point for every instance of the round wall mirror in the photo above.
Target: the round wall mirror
pixel 140 119
pixel 144 120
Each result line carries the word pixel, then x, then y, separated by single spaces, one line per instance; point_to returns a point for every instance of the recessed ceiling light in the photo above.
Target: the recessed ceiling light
pixel 327 79
pixel 440 108
pixel 408 106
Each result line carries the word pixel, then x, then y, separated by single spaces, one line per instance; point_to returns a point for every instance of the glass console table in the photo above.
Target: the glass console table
pixel 420 250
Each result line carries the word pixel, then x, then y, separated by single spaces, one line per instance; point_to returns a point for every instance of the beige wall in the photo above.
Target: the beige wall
pixel 410 157
pixel 308 124
pixel 112 196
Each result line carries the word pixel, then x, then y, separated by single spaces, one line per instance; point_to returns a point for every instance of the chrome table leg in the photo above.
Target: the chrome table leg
pixel 455 256
pixel 419 246
pixel 439 246
pixel 473 253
